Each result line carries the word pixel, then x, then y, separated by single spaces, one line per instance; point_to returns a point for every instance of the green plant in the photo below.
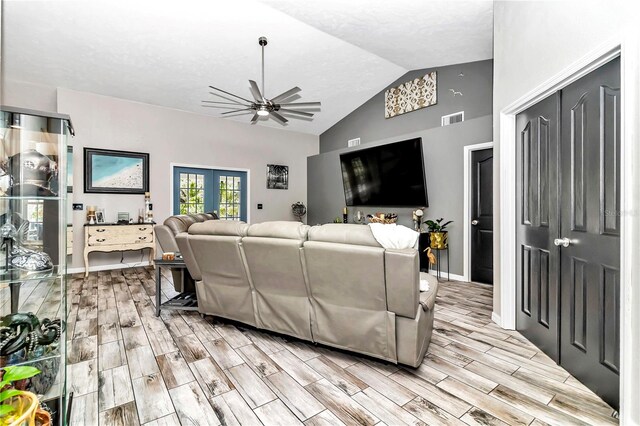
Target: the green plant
pixel 12 375
pixel 437 225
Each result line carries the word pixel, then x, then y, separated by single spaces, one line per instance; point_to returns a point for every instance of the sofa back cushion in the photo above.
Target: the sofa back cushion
pixel 224 287
pixel 347 287
pixel 274 258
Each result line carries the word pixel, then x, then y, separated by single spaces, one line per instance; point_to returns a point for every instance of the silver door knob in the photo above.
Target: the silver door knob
pixel 474 222
pixel 564 242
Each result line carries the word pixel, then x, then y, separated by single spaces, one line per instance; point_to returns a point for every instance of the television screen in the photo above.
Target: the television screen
pixel 385 175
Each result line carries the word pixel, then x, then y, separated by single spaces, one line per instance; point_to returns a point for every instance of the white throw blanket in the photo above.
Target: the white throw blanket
pixel 394 236
pixel 424 285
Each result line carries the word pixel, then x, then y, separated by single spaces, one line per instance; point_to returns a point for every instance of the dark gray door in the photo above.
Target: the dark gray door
pixel 590 220
pixel 482 216
pixel 538 221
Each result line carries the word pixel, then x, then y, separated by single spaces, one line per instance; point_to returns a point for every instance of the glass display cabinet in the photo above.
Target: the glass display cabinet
pixel 33 255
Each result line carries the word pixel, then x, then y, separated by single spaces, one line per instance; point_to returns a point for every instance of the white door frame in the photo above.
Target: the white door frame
pixel 200 166
pixel 467 176
pixel 628 47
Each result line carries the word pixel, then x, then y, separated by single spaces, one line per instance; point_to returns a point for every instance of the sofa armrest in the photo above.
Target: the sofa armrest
pixel 428 298
pixel 402 278
pixel 166 239
pixel 182 239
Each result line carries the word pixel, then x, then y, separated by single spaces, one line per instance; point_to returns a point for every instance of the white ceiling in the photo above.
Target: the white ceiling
pixel 167 52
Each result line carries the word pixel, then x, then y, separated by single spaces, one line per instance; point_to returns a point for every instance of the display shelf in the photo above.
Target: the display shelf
pixel 33 253
pixel 14 275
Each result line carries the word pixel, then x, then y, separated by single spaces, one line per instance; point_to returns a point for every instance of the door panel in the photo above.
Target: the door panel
pixel 482 216
pixel 537 192
pixel 590 265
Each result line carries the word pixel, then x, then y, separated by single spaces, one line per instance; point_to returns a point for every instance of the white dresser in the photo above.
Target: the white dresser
pixel 114 237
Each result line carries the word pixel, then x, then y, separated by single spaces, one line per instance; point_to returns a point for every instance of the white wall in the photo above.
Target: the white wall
pixel 170 136
pixel 533 41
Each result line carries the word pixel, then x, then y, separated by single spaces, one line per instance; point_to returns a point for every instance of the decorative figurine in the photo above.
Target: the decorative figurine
pixel 299 210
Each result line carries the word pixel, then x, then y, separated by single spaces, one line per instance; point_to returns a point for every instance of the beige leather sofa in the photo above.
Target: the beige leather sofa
pixel 166 238
pixel 332 284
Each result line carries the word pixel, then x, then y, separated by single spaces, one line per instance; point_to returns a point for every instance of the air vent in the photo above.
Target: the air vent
pixel 456 117
pixel 353 142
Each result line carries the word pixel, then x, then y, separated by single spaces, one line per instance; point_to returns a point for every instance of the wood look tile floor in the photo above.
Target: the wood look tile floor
pixel 127 367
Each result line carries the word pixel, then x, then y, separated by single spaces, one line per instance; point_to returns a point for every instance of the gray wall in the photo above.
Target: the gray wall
pixel 368 122
pixel 443 155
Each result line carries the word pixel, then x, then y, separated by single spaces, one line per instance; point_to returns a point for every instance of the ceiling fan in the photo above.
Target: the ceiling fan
pixel 261 106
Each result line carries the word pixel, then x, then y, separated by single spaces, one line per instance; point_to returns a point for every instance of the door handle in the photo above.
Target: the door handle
pixel 474 222
pixel 564 242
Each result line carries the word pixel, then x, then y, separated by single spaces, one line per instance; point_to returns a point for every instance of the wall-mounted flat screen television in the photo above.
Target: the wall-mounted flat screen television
pixel 385 175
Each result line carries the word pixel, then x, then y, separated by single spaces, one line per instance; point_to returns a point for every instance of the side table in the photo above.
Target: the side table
pixel 186 301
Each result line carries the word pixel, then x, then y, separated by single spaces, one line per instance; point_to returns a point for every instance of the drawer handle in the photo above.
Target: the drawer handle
pixel 101 240
pixel 142 238
pixel 143 229
pixel 100 230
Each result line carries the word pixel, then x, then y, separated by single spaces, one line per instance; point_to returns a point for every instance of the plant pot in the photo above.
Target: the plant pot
pixel 26 405
pixel 439 240
pixel 43 418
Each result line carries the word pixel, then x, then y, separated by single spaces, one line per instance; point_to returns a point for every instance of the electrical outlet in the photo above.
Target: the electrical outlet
pixel 259 206
pixel 78 206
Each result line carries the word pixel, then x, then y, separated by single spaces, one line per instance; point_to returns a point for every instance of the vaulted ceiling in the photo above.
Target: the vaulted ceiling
pixel 340 52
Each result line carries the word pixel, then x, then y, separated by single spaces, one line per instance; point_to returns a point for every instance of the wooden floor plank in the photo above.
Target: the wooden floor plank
pixel 123 360
pixel 192 407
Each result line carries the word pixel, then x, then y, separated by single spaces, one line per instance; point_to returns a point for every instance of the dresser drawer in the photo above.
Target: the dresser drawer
pixel 120 234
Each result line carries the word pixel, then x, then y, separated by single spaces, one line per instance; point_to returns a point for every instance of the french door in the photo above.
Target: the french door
pixel 568 291
pixel 197 190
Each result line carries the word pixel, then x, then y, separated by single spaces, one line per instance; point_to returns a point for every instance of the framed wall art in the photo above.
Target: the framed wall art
pixel 277 177
pixel 115 172
pixel 413 95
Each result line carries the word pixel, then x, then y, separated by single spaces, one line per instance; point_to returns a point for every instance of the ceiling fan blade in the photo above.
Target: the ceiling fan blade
pixel 230 94
pixel 254 119
pixel 293 111
pixel 286 94
pixel 227 98
pixel 255 91
pixel 280 119
pixel 303 104
pixel 236 110
pixel 222 107
pixel 236 114
pixel 224 103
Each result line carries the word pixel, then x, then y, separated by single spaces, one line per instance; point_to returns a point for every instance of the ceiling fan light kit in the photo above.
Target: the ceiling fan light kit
pixel 261 106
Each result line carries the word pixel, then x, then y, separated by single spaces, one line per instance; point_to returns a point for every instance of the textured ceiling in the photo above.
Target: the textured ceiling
pixel 167 52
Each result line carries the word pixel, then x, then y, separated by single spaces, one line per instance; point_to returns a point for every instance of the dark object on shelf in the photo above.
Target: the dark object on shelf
pixel 385 175
pixel 29 260
pixel 345 218
pixel 128 171
pixel 187 301
pixel 30 173
pixel 26 331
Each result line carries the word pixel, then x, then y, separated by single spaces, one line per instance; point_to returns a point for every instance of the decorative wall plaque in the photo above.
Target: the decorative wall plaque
pixel 411 96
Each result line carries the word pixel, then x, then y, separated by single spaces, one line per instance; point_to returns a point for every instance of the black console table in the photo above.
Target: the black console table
pixel 186 301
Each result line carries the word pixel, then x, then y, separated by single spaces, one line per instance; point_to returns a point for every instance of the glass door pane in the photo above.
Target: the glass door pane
pixel 192 190
pixel 231 195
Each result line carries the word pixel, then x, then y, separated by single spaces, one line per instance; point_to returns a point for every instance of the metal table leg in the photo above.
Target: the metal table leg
pixel 448 269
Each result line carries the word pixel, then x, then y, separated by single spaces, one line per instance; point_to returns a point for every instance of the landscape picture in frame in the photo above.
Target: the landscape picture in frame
pixel 115 172
pixel 277 176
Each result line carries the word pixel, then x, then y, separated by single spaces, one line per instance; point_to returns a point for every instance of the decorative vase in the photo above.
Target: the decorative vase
pixel 26 405
pixel 439 240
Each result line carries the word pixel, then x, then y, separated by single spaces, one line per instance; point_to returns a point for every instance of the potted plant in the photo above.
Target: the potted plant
pixel 438 236
pixel 19 407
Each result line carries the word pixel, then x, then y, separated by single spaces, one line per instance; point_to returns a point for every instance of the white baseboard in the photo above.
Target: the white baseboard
pixel 108 267
pixel 453 277
pixel 496 318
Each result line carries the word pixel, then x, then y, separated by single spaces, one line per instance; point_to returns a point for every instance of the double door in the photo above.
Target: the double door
pixel 568 260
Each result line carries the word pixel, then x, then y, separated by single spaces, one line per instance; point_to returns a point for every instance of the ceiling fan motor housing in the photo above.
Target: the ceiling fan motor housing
pixel 262 41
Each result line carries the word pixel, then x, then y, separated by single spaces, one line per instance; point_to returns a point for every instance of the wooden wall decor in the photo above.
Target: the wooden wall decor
pixel 410 96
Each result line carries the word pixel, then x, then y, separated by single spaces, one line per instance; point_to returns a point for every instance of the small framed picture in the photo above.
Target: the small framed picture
pixel 100 216
pixel 277 176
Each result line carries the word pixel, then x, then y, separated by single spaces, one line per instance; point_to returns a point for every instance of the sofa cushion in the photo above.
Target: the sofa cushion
pixel 179 223
pixel 279 229
pixel 219 227
pixel 343 233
